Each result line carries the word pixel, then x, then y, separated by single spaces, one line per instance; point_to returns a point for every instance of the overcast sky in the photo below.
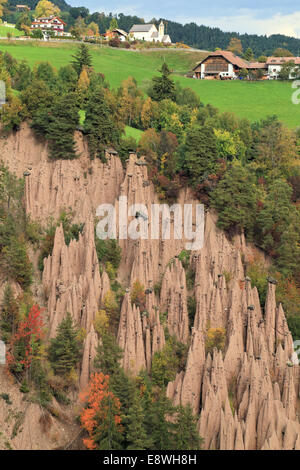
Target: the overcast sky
pixel 251 16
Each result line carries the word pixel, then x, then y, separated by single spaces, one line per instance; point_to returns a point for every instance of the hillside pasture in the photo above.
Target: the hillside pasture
pixel 8 29
pixel 251 100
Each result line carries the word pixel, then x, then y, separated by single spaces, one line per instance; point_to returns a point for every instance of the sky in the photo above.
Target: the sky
pixel 243 16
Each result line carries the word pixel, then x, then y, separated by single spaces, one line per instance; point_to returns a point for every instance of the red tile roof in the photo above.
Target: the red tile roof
pixel 282 60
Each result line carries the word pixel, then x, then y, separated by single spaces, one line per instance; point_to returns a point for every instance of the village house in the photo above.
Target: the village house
pixel 275 64
pixel 50 23
pixel 149 32
pixel 116 33
pixel 226 65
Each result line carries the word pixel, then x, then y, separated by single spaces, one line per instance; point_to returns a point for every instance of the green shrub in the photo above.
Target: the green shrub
pixel 108 251
pixel 168 362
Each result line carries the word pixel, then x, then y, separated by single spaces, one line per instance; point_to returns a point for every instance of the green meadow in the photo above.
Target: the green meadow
pixel 13 31
pixel 251 100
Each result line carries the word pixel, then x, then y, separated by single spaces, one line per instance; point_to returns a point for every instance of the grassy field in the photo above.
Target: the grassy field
pixel 13 31
pixel 252 100
pixel 132 132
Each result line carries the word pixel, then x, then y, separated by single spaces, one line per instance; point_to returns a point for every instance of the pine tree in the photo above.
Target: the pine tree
pixel 99 124
pixel 82 58
pixel 158 423
pixel 199 153
pixel 186 436
pixel 107 361
pixel 109 355
pixel 109 436
pixel 249 54
pixel 57 124
pixel 235 199
pixel 136 436
pixel 163 87
pixel 8 314
pixel 65 349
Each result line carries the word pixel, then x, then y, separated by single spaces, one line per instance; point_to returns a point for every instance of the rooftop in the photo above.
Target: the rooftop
pixel 141 28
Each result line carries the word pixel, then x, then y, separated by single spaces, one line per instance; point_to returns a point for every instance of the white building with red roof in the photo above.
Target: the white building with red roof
pixel 50 23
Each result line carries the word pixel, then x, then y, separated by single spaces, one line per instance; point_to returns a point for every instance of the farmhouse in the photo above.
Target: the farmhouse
pixel 275 64
pixel 50 23
pixel 117 33
pixel 224 64
pixel 149 32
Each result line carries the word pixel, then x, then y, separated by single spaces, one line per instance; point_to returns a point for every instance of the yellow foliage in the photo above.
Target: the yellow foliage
pixel 83 81
pixel 110 303
pixel 101 322
pixel 215 338
pixel 46 8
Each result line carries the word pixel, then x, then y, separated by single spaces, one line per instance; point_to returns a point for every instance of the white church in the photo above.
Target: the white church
pixel 149 32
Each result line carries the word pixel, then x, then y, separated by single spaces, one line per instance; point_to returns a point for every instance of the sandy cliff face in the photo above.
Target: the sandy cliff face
pixel 246 397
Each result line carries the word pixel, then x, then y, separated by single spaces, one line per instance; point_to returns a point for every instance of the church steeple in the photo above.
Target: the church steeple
pixel 161 29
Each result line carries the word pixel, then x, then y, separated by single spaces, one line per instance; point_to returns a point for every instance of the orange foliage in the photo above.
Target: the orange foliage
pixel 29 332
pixel 98 398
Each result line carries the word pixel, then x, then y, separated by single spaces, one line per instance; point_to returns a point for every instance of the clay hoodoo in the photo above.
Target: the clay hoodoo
pixel 72 283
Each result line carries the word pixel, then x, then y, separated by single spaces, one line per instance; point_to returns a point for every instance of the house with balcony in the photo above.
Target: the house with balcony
pixel 47 24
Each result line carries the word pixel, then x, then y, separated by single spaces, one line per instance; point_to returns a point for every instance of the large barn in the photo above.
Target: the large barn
pixel 224 64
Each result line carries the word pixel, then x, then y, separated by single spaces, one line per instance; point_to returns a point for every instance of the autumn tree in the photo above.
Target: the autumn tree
pixel 101 415
pixel 138 296
pixel 24 343
pixel 93 29
pixel 282 52
pixel 83 86
pixel 46 8
pixel 2 2
pixel 274 146
pixel 149 113
pixel 235 46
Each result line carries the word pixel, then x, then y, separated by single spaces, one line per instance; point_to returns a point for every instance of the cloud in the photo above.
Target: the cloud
pixel 250 22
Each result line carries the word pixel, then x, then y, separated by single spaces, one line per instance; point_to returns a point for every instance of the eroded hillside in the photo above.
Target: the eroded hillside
pixel 244 397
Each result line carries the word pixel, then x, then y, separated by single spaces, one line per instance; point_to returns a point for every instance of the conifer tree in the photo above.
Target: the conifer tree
pixel 186 436
pixel 163 87
pixel 99 124
pixel 235 199
pixel 8 313
pixel 199 157
pixel 57 124
pixel 82 58
pixel 65 348
pixel 136 436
